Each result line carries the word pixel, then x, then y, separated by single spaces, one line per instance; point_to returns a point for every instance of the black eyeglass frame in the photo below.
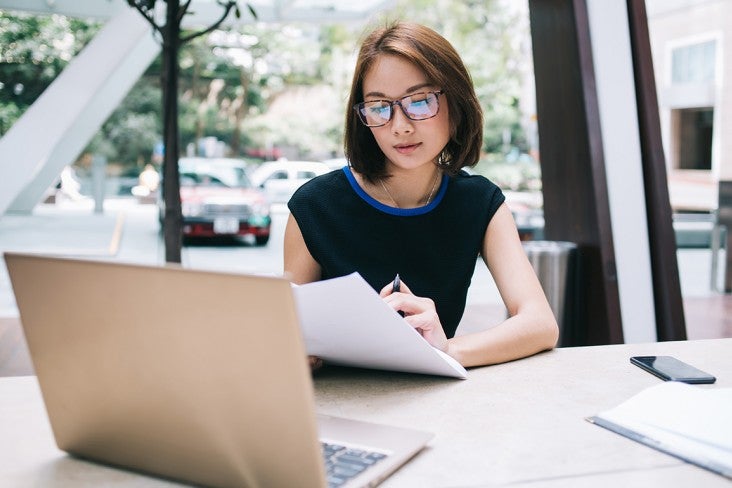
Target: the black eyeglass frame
pixel 360 106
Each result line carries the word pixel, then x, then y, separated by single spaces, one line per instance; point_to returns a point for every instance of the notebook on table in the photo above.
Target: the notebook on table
pixel 189 375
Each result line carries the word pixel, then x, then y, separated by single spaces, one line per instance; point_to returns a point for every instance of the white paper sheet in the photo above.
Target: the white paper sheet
pixel 346 322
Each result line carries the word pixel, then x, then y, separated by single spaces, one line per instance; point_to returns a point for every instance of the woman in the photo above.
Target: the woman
pixel 405 207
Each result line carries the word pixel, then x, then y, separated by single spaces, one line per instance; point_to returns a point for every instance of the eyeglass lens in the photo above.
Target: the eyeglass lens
pixel 419 106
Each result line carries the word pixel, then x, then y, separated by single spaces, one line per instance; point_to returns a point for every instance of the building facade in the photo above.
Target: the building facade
pixel 692 54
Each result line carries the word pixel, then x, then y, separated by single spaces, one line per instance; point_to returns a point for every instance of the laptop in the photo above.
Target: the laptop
pixel 189 375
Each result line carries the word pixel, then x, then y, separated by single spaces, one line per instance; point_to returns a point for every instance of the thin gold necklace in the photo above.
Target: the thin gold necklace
pixel 388 193
pixel 432 191
pixel 428 197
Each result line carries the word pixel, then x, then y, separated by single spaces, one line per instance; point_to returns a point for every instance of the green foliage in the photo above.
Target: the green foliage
pixel 9 113
pixel 33 51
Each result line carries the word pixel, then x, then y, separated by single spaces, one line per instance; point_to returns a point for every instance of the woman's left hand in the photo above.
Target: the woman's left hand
pixel 419 312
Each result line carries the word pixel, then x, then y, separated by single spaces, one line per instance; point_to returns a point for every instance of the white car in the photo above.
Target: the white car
pixel 280 179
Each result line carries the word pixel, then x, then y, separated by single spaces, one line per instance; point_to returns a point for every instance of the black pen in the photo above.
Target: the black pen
pixel 395 286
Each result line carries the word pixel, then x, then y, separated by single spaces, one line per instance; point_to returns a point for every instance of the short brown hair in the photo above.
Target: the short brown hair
pixel 444 68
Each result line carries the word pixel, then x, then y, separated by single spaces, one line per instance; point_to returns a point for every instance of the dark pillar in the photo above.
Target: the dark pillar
pixel 670 323
pixel 576 206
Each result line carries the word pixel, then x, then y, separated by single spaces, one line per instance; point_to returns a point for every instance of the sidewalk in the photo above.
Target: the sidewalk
pixel 65 231
pixel 125 231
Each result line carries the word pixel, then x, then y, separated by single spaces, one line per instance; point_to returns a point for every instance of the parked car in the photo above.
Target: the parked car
pixel 280 179
pixel 218 199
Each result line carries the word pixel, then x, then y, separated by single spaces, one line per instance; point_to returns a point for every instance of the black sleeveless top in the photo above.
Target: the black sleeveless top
pixel 433 248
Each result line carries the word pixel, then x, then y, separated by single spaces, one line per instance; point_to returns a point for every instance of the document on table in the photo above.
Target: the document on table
pixel 685 421
pixel 344 321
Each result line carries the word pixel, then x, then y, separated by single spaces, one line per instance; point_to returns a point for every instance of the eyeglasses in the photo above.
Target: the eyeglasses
pixel 420 106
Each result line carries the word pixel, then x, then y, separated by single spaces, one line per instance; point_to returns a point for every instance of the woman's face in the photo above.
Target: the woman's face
pixel 406 143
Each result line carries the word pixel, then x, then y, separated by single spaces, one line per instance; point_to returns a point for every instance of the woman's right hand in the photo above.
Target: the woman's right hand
pixel 419 312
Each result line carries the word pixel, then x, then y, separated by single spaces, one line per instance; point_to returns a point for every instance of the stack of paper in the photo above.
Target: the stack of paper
pixel 344 321
pixel 689 422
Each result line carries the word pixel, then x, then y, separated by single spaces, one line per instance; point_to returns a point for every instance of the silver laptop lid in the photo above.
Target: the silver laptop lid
pixel 191 375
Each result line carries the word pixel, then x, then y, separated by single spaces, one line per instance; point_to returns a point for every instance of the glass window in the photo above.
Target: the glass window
pixel 693 63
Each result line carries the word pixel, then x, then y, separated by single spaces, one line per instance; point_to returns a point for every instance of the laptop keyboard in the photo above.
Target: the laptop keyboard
pixel 343 463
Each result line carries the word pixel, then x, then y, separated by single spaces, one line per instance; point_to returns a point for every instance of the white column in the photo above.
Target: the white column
pixel 611 50
pixel 56 128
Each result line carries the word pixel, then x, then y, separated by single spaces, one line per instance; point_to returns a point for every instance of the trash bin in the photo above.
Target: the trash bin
pixel 555 265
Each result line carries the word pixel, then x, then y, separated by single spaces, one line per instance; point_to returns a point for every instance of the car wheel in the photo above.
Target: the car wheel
pixel 261 240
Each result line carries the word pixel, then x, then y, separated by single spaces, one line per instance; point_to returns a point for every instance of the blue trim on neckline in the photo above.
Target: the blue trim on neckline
pixel 401 212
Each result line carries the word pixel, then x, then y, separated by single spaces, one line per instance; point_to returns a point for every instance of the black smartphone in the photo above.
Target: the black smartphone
pixel 671 369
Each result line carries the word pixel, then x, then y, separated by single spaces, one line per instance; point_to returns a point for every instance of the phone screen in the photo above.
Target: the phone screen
pixel 671 369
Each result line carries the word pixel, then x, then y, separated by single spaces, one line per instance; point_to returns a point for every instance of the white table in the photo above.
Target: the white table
pixel 520 423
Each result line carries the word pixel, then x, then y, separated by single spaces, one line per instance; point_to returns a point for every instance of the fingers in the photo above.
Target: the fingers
pixel 408 303
pixel 421 314
pixel 389 297
pixel 429 326
pixel 386 291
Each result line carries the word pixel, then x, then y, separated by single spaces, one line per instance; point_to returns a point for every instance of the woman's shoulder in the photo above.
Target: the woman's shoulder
pixel 468 180
pixel 474 194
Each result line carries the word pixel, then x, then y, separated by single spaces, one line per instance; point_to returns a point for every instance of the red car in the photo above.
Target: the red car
pixel 218 199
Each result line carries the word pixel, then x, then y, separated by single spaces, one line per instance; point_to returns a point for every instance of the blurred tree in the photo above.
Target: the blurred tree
pixel 172 37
